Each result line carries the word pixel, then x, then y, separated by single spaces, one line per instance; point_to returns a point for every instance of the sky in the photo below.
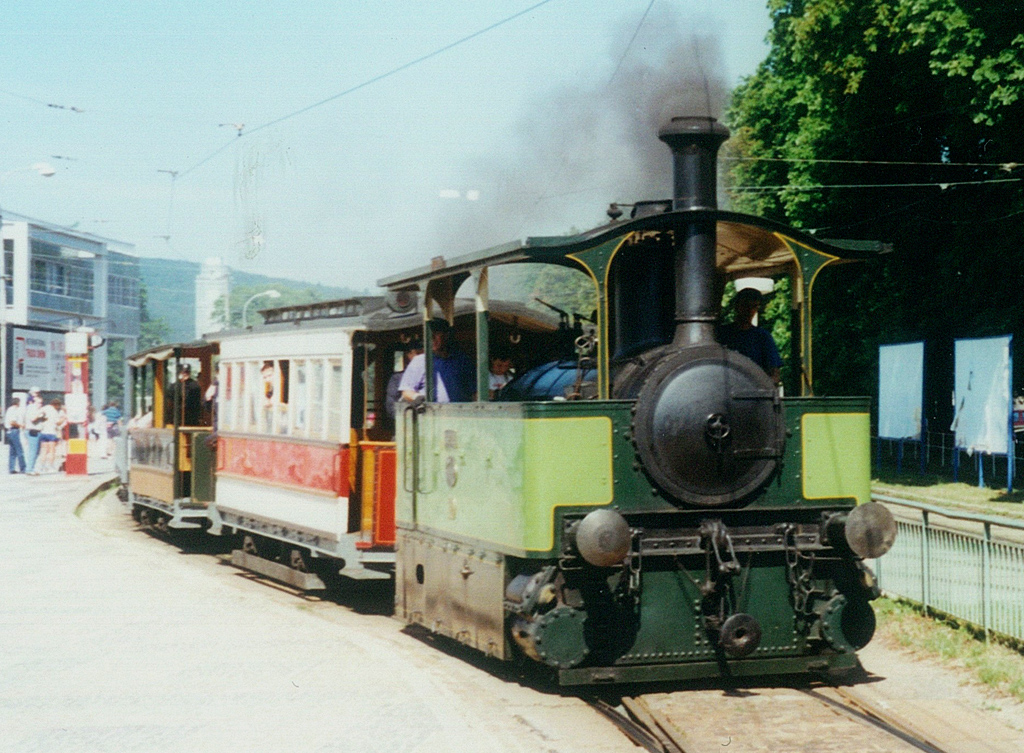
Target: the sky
pixel 342 142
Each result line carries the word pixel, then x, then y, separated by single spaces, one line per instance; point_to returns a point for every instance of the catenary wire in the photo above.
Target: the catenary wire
pixel 366 83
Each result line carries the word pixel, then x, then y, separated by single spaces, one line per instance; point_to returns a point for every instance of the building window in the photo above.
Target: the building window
pixel 8 269
pixel 123 291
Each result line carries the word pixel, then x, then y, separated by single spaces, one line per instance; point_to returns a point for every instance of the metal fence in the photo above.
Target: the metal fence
pixel 937 455
pixel 968 566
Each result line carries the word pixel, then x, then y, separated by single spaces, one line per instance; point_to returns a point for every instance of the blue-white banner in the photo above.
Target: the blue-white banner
pixel 981 416
pixel 900 390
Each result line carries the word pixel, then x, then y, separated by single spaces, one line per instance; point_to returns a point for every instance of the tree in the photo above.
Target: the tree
pixel 911 111
pixel 291 295
pixel 152 332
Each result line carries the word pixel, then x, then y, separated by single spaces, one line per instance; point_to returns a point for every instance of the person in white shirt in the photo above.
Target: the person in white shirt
pixel 55 419
pixel 14 425
pixel 33 428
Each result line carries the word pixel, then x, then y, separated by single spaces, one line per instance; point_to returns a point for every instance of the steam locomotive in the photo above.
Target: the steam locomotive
pixel 670 515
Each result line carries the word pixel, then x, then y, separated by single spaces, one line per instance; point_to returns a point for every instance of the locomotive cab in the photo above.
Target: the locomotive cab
pixel 678 517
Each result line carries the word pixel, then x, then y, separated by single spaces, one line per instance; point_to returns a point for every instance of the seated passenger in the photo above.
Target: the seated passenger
pixel 454 372
pixel 501 371
pixel 746 338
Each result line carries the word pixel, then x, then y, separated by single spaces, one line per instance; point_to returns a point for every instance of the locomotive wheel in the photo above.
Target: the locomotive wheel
pixel 160 522
pixel 299 559
pixel 251 545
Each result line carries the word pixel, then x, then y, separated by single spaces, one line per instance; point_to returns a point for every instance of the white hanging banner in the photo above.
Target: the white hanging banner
pixel 900 390
pixel 982 405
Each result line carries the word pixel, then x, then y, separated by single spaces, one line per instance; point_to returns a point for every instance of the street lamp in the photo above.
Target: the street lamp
pixel 46 171
pixel 267 293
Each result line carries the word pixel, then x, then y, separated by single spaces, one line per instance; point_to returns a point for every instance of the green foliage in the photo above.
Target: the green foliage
pixel 115 370
pixel 568 289
pixel 152 331
pixel 911 110
pixel 562 287
pixel 295 294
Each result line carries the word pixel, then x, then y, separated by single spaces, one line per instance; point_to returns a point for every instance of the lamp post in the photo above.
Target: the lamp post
pixel 267 293
pixel 46 171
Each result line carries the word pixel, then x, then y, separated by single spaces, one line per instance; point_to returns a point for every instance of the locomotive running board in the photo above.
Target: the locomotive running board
pixel 277 571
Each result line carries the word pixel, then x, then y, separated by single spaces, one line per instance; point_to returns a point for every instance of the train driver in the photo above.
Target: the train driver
pixel 745 337
pixel 454 371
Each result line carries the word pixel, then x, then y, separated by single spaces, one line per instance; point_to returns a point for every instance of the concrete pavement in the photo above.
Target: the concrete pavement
pixel 112 640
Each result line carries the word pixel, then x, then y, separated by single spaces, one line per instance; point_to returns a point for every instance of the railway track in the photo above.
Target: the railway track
pixel 816 719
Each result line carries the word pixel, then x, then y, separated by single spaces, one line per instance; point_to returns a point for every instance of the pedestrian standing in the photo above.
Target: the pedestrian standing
pixel 14 425
pixel 112 413
pixel 50 436
pixel 34 419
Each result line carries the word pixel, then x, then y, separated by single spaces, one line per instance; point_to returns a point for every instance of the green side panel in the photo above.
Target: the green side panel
pixel 204 461
pixel 568 462
pixel 836 452
pixel 492 475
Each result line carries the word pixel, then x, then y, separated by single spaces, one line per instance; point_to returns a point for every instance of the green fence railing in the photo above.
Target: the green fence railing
pixel 965 565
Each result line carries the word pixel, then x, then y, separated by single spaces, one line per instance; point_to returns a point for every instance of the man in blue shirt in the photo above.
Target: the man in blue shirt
pixel 746 338
pixel 454 372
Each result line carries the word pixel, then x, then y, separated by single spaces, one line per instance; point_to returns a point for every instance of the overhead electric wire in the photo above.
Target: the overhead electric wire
pixel 820 186
pixel 632 39
pixel 1001 165
pixel 366 83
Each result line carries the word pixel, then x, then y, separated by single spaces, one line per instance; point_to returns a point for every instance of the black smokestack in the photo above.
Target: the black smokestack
pixel 694 142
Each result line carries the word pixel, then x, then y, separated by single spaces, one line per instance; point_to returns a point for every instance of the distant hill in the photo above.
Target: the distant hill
pixel 171 291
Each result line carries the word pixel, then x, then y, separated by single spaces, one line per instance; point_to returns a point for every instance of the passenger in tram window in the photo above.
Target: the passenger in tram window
pixel 501 371
pixel 210 401
pixel 189 396
pixel 412 349
pixel 748 339
pixel 142 420
pixel 454 374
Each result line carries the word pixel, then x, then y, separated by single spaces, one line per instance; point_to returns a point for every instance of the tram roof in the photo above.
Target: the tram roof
pixel 192 349
pixel 747 246
pixel 378 314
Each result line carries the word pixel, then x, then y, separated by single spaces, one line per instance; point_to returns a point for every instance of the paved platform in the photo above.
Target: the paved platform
pixel 113 640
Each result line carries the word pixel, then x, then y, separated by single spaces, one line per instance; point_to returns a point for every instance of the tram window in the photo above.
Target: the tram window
pixel 252 422
pixel 226 394
pixel 334 425
pixel 298 399
pixel 281 422
pixel 267 387
pixel 316 416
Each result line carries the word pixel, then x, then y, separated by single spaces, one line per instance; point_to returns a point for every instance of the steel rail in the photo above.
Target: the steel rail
pixel 859 709
pixel 658 724
pixel 635 731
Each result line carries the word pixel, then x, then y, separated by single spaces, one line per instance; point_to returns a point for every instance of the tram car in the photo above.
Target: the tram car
pixel 664 513
pixel 292 452
pixel 170 470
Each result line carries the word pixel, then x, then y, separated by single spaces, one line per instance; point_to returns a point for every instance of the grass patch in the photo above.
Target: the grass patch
pixel 994 665
pixel 960 496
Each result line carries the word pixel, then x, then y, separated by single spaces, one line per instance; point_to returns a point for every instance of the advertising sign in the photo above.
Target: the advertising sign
pixel 981 418
pixel 37 359
pixel 900 390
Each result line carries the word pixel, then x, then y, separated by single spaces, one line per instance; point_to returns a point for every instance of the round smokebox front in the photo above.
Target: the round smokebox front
pixel 708 426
